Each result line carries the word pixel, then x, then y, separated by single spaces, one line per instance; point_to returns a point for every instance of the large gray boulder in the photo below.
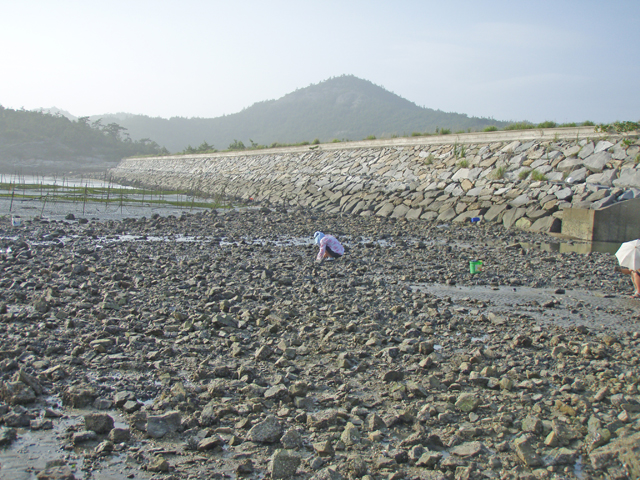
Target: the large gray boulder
pixel 546 224
pixel 595 163
pixel 629 177
pixel 400 211
pixel 493 214
pixel 605 178
pixel 602 146
pixel 577 176
pixel 587 150
pixel 386 209
pixel 511 216
pixel 604 202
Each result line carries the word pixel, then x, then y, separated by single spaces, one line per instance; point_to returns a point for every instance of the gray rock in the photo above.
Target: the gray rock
pixel 605 178
pixel 595 163
pixel 17 393
pixel 160 425
pixel 602 145
pixel 624 451
pixel 209 443
pixel 350 434
pixel 7 435
pixel 328 473
pixel 532 424
pixel 555 176
pixel 546 224
pixel 569 164
pixel 78 396
pixel 467 402
pixel 98 422
pixel 525 449
pixel 587 150
pixel 386 209
pixel 629 194
pixel 562 456
pixel 577 176
pixel 84 436
pixel 400 211
pixel 414 213
pixel 629 177
pixel 429 459
pixel 448 214
pixel 605 202
pixel 511 216
pixel 291 440
pixel 120 435
pixel 158 464
pixel 267 431
pixel 284 464
pixel 468 449
pixel 493 214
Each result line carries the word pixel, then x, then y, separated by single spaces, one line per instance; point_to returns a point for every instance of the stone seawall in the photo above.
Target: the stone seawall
pixel 520 178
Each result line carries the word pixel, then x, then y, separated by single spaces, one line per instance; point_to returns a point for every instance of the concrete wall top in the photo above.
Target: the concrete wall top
pixel 541 134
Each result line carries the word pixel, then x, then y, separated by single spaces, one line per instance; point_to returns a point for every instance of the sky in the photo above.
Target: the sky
pixel 562 60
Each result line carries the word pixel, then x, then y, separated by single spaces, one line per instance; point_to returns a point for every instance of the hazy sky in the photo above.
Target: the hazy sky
pixel 510 60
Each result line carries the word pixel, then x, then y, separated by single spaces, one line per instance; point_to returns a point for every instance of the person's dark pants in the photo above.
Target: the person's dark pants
pixel 331 253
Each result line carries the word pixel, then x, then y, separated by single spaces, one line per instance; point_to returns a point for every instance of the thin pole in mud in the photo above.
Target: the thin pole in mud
pixel 121 200
pixel 44 204
pixel 84 203
pixel 13 191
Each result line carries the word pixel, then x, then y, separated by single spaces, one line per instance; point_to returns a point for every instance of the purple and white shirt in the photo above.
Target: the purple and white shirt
pixel 331 242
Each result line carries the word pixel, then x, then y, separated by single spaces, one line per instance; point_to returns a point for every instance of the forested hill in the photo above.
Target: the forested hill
pixel 343 108
pixel 42 142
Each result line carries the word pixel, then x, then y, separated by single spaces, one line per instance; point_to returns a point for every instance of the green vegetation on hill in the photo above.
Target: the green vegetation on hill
pixel 28 135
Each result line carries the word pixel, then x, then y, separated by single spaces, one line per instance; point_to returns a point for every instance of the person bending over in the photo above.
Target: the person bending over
pixel 329 245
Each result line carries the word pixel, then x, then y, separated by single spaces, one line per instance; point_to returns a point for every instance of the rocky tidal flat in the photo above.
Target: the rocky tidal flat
pixel 209 345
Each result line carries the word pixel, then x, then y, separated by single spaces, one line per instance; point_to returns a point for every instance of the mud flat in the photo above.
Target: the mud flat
pixel 209 345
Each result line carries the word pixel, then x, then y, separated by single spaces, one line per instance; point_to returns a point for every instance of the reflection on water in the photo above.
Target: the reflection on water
pixel 560 247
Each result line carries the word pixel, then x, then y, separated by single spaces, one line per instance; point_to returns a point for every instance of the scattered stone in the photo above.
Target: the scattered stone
pixel 158 464
pixel 268 431
pixel 98 422
pixel 160 425
pixel 284 464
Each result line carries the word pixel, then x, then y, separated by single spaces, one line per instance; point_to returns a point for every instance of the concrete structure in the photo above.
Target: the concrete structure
pixel 525 179
pixel 616 223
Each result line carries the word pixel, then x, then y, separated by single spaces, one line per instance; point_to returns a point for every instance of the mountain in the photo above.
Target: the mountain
pixel 38 142
pixel 343 108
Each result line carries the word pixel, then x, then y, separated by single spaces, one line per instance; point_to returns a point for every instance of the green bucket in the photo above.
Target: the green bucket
pixel 475 266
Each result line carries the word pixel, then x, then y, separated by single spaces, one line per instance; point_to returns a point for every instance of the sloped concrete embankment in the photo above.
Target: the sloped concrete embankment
pixel 524 178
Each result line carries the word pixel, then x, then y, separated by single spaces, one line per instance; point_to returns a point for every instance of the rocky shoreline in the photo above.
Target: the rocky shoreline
pixel 527 179
pixel 210 345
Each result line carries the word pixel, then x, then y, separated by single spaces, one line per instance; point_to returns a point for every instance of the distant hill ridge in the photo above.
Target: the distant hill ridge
pixel 343 108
